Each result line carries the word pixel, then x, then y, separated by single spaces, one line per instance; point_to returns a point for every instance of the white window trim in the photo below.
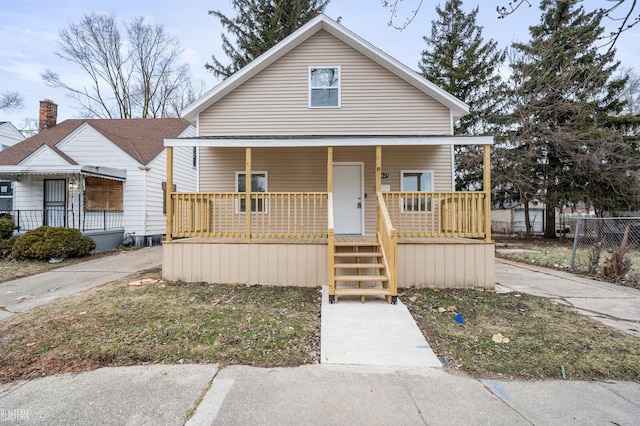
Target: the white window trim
pixel 339 68
pixel 429 208
pixel 266 189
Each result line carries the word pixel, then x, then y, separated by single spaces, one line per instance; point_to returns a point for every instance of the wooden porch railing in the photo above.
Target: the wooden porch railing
pixel 387 236
pixel 273 215
pixel 437 214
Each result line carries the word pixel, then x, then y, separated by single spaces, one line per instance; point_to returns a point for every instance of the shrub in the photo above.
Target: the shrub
pixel 6 246
pixel 7 226
pixel 47 242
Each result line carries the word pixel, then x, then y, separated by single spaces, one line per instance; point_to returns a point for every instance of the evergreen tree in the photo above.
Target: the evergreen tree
pixel 563 95
pixel 258 26
pixel 459 60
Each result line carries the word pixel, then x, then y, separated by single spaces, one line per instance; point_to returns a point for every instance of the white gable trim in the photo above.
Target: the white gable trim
pixel 46 150
pixel 322 22
pixel 60 145
pixel 330 141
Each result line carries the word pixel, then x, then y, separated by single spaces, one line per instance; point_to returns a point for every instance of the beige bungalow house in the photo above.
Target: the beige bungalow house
pixel 351 166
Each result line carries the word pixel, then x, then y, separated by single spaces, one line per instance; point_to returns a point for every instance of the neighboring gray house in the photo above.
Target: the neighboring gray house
pixel 104 177
pixel 509 217
pixel 9 136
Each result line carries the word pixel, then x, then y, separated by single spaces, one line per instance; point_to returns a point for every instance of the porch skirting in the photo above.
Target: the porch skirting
pixel 283 264
pixel 432 263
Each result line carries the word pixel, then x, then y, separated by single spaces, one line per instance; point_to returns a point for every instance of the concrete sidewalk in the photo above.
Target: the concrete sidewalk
pixel 614 305
pixel 139 395
pixel 318 394
pixel 20 295
pixel 365 395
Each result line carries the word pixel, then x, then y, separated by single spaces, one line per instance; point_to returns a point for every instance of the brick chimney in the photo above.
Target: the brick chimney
pixel 48 114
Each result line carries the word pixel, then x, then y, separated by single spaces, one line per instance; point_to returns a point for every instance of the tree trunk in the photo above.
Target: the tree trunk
pixel 527 220
pixel 550 222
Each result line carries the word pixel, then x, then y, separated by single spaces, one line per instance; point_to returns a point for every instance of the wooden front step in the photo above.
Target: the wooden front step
pixel 363 292
pixel 357 254
pixel 356 257
pixel 357 244
pixel 359 266
pixel 363 278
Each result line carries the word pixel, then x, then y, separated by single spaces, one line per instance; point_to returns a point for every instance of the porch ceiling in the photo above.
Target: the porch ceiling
pixel 326 141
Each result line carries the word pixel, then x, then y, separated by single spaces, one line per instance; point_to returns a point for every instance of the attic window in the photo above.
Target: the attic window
pixel 324 87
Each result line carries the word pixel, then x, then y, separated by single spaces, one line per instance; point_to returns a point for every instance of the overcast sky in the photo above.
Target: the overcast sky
pixel 29 33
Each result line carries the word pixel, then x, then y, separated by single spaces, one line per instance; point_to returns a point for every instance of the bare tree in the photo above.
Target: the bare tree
pixel 133 77
pixel 29 127
pixel 10 101
pixel 631 92
pixel 394 6
pixel 621 12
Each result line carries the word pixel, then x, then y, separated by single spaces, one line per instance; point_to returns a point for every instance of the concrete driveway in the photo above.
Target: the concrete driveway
pixel 20 295
pixel 614 305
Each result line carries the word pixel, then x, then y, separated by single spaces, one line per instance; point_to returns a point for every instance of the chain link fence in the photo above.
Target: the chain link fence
pixel 608 248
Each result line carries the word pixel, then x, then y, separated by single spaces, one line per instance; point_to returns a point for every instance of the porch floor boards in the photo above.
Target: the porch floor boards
pixel 323 241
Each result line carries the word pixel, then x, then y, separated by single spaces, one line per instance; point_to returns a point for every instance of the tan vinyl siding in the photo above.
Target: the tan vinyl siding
pixel 305 169
pixel 373 100
pixel 448 265
pixel 266 264
pixel 461 264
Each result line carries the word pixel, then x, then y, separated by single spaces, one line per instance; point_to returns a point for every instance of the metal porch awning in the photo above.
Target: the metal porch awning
pixel 15 172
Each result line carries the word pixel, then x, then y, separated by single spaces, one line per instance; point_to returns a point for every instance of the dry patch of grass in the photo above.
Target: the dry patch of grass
pixel 163 322
pixel 12 269
pixel 557 254
pixel 510 336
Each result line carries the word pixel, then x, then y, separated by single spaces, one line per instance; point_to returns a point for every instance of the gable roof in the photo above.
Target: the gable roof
pixel 323 22
pixel 141 138
pixel 9 134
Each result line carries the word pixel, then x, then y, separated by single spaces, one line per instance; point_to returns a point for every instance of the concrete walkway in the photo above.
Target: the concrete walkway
pixel 20 295
pixel 372 333
pixel 614 305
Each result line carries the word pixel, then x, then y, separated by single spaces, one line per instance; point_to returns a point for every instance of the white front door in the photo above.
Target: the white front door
pixel 347 198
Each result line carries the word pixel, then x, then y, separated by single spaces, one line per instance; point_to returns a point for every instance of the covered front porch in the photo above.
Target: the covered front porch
pixel 420 236
pixel 82 197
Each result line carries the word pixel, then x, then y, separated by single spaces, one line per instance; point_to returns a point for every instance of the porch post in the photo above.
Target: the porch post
pixel 247 194
pixel 486 169
pixel 330 169
pixel 331 271
pixel 378 169
pixel 168 189
pixel 378 184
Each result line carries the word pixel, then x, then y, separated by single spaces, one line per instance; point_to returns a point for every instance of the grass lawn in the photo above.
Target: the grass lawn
pixel 163 322
pixel 509 336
